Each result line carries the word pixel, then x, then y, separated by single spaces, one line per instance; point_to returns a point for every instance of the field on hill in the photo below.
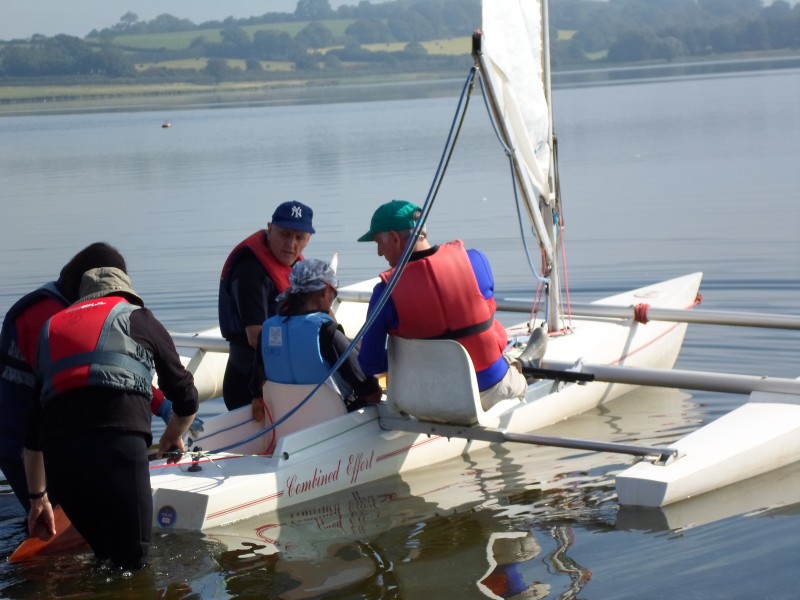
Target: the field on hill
pixel 182 40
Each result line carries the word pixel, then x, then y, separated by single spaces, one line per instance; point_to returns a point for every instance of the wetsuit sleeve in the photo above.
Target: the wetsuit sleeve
pixel 173 379
pixel 333 343
pixel 257 373
pixel 372 356
pixel 33 420
pixel 483 272
pixel 254 292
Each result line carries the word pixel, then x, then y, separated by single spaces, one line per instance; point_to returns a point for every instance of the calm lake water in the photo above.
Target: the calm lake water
pixel 659 177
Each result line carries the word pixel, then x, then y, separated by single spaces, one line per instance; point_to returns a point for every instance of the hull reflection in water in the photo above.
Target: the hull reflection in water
pixel 495 524
pixel 774 493
pixel 449 530
pixel 348 566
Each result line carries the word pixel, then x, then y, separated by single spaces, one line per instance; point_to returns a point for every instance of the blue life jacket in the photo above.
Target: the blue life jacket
pixel 291 352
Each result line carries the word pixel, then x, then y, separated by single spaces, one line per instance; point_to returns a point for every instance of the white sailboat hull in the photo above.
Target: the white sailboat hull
pixel 512 61
pixel 766 494
pixel 761 435
pixel 353 449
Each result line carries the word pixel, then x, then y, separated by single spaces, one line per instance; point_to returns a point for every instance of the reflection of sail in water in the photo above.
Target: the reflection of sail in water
pixel 519 569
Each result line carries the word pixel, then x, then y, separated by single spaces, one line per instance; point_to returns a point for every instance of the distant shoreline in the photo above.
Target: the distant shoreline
pixel 147 98
pixel 39 100
pixel 697 68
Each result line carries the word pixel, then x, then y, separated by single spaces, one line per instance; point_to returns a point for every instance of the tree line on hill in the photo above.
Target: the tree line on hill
pixel 617 31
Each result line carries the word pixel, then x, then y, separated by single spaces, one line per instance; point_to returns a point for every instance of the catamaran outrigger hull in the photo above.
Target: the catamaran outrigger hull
pixel 761 435
pixel 353 449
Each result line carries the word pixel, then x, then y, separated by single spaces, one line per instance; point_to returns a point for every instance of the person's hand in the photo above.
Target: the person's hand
pixel 168 443
pixel 373 398
pixel 258 410
pixel 41 522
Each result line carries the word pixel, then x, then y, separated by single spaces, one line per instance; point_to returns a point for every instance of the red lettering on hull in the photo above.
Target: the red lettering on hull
pixel 358 464
pixel 317 480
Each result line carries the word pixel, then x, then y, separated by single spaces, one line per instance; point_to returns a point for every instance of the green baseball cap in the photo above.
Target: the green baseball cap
pixel 397 215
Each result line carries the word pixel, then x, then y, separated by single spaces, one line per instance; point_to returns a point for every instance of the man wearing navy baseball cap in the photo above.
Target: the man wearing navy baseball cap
pixel 256 271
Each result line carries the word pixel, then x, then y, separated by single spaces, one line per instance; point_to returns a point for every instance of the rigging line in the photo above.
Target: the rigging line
pixel 447 153
pixel 510 155
pixel 568 312
pixel 537 300
pixel 455 128
pixel 559 211
pixel 217 432
pixel 193 455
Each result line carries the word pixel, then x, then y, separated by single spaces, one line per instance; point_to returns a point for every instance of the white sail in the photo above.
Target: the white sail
pixel 513 47
pixel 515 66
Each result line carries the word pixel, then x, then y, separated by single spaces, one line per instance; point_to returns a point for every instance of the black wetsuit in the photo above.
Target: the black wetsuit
pixel 95 442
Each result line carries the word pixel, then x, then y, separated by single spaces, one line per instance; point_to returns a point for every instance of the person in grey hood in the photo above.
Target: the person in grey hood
pixel 302 342
pixel 90 429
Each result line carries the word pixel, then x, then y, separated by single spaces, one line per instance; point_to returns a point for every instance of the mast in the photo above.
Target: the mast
pixel 514 58
pixel 551 209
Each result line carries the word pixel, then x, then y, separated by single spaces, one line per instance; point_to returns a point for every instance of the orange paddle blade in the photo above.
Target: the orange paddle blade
pixel 66 537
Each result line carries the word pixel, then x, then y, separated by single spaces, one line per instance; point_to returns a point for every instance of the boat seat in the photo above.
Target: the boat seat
pixel 280 398
pixel 434 380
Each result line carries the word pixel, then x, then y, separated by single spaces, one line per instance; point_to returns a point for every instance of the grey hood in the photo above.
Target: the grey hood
pixel 107 281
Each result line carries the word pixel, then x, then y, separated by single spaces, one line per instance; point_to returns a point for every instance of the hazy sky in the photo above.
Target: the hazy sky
pixel 23 18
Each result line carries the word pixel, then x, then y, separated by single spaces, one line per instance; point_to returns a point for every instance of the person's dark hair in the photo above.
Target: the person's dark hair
pixel 98 254
pixel 293 304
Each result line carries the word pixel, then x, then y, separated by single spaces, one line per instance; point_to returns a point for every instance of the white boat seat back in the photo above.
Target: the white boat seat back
pixel 280 398
pixel 228 429
pixel 434 380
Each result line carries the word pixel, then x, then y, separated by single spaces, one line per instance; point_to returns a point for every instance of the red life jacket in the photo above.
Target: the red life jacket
pixel 20 333
pixel 437 297
pixel 230 322
pixel 18 339
pixel 257 244
pixel 89 344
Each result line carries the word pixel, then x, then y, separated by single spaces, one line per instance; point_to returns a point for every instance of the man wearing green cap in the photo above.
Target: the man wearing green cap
pixel 445 291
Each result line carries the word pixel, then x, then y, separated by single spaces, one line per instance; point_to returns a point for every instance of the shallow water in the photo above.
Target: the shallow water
pixel 660 178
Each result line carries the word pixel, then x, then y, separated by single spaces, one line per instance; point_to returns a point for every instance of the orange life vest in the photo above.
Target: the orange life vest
pixel 437 297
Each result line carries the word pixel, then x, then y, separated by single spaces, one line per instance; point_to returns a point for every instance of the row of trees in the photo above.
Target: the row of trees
pixel 68 56
pixel 63 55
pixel 694 29
pixel 622 30
pixel 400 20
